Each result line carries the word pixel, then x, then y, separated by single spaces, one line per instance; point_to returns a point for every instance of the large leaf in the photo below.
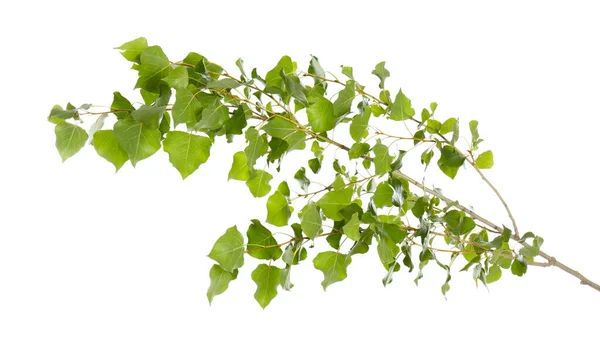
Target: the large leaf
pixel 383 160
pixel 178 78
pixel 219 282
pixel 333 265
pixel 133 49
pixel 274 80
pixel 450 161
pixel 311 221
pixel 320 115
pixel 186 106
pixel 137 139
pixel 154 66
pixel 267 280
pixel 352 229
pixel 360 123
pixel 257 146
pixel 343 102
pixel 149 115
pixel 120 106
pixel 186 151
pixel 70 138
pixel 280 128
pixel 108 147
pixel 213 117
pixel 228 251
pixel 261 244
pixel 383 195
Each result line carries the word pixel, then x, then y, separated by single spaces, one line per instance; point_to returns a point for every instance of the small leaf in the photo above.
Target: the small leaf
pixel 267 280
pixel 315 69
pixel 300 176
pixel 257 146
pixel 383 160
pixel 401 108
pixel 258 183
pixel 450 161
pixel 213 117
pixel 333 265
pixel 219 282
pixel 261 244
pixel 239 168
pixel 222 84
pixel 274 80
pixel 332 202
pixel 347 71
pixel 187 151
pixel 178 78
pixel 154 66
pixel 70 138
pixel 447 126
pixel 352 229
pixel 475 140
pixel 485 160
pixel 311 222
pixel 518 267
pixel 382 73
pixel 149 115
pixel 108 147
pixel 360 123
pixel 358 149
pixel 343 102
pixel 320 115
pixel 278 209
pixel 228 251
pixel 494 274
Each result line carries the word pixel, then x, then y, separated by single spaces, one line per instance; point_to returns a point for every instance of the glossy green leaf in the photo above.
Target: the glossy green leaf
pixel 333 265
pixel 311 221
pixel 228 250
pixel 219 282
pixel 178 78
pixel 267 280
pixel 70 138
pixel 320 115
pixel 450 161
pixel 485 160
pixel 239 168
pixel 108 147
pixel 332 202
pixel 352 229
pixel 382 73
pixel 280 128
pixel 278 209
pixel 261 243
pixel 258 183
pixel 186 151
pixel 383 195
pixel 401 108
pixel 133 49
pixel 382 160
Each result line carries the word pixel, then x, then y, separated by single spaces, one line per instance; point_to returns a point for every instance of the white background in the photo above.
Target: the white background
pixel 90 256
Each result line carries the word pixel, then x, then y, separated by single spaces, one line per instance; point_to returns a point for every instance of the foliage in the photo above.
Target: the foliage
pixel 285 111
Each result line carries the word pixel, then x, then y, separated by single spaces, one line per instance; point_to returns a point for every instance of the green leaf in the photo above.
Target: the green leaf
pixel 108 147
pixel 332 202
pixel 259 183
pixel 219 282
pixel 240 64
pixel 213 117
pixel 154 66
pixel 186 107
pixel 320 115
pixel 383 160
pixel 358 149
pixel 295 88
pixel 519 266
pixel 314 165
pixel 120 106
pixel 137 139
pixel 296 141
pixel 186 151
pixel 387 250
pixel 450 161
pixel 475 140
pixel 70 138
pixel 401 108
pixel 149 115
pixel 311 221
pixel 267 279
pixel 261 244
pixel 458 222
pixel 347 71
pixel 383 195
pixel 279 127
pixel 222 84
pixel 419 208
pixel 315 68
pixel 300 176
pixel 352 229
pixel 57 114
pixel 177 78
pixel 274 80
pixel 360 123
pixel 494 274
pixel 237 122
pixel 433 126
pixel 333 265
pixel 285 281
pixel 447 126
pixel 278 209
pixel 381 73
pixel 257 146
pixel 228 251
pixel 343 102
pixel 485 160
pixel 239 168
pixel 165 125
pixel 133 49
